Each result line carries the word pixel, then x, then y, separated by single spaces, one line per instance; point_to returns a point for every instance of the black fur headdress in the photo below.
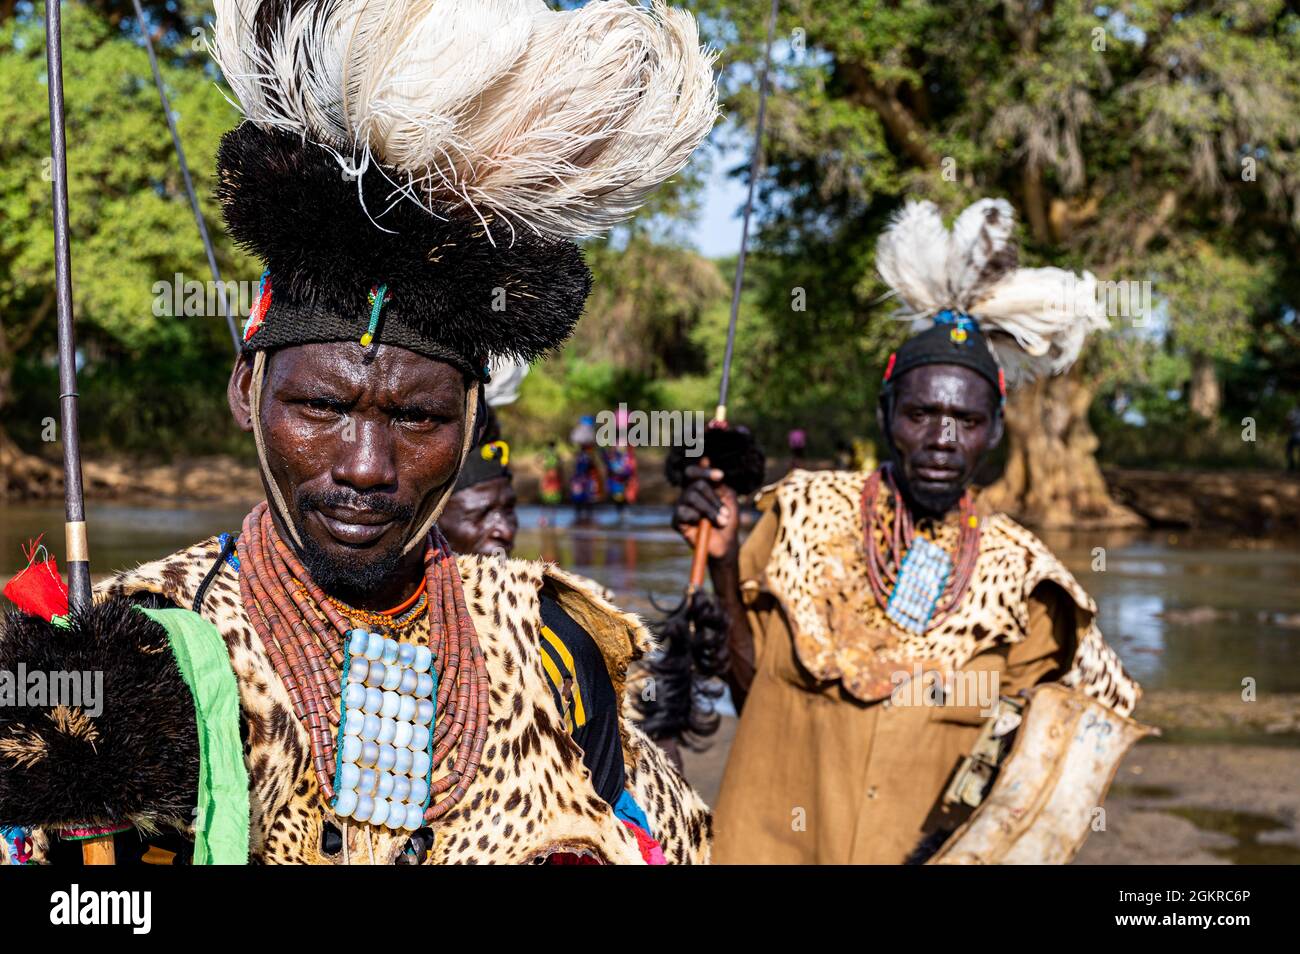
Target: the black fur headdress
pixel 329 243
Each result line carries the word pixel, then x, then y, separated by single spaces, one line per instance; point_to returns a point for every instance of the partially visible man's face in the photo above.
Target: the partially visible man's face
pixel 945 419
pixel 358 445
pixel 482 518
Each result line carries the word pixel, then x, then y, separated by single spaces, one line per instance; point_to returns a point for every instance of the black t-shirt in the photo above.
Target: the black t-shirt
pixel 584 694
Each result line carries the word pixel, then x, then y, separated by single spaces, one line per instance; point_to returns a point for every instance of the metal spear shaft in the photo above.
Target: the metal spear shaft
pixel 699 563
pixel 96 851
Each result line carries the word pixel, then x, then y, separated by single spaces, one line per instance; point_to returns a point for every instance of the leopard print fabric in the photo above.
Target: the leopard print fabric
pixel 818 571
pixel 680 820
pixel 532 796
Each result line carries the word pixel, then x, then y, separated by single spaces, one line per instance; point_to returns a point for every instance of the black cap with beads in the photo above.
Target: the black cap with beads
pixel 953 339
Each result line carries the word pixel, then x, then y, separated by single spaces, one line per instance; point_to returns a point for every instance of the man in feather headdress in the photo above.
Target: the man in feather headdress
pixel 332 684
pixel 877 618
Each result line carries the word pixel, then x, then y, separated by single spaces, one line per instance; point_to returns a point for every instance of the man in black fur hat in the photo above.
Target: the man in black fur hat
pixel 875 620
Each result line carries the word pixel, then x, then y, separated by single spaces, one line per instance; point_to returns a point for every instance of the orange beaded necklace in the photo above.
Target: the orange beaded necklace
pixel 303 632
pixel 391 621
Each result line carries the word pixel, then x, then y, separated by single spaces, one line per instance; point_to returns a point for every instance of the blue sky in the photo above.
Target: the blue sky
pixel 718 230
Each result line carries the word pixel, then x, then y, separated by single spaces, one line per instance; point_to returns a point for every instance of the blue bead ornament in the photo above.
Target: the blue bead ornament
pixel 921 581
pixel 385 741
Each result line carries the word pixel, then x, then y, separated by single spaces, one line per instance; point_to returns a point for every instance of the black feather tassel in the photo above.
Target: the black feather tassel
pixel 693 657
pixel 730 449
pixel 687 671
pixel 129 755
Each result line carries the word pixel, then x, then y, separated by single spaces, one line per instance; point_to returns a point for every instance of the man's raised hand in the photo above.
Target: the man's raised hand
pixel 705 497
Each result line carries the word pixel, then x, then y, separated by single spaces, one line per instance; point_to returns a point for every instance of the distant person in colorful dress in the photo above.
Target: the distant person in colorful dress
pixel 620 469
pixel 585 485
pixel 552 487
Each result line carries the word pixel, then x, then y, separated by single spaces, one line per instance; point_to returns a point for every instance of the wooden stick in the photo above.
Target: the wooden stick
pixel 98 851
pixel 700 560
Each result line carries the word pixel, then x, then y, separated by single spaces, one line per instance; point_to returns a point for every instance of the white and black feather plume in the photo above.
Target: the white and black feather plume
pixel 1035 319
pixel 448 152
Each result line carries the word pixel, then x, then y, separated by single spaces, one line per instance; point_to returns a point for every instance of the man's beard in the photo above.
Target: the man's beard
pixel 923 503
pixel 928 504
pixel 346 576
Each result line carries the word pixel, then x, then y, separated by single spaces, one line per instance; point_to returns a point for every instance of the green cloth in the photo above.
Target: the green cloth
pixel 221 820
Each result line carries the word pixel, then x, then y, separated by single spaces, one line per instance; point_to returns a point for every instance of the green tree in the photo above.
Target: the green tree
pixel 131 223
pixel 1211 293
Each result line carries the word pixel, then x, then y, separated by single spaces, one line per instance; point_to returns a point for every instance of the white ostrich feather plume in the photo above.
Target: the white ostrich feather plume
pixel 560 122
pixel 1035 319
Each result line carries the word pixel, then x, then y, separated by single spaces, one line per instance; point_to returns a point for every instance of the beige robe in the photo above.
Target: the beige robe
pixel 819 776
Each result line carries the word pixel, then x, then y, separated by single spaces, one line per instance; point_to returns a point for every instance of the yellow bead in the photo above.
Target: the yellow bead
pixel 366 339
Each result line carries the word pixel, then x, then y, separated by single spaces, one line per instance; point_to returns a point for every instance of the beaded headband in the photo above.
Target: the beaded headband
pixel 955 338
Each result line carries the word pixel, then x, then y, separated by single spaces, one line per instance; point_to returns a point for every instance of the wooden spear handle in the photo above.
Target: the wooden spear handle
pixel 700 560
pixel 98 851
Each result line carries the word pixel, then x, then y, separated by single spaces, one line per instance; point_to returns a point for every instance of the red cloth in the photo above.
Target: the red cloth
pixel 39 590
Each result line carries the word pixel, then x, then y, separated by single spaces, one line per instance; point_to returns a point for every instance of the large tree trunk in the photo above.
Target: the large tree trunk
pixel 1052 479
pixel 1204 397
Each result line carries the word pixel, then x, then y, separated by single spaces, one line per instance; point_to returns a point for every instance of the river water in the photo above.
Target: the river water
pixel 1184 611
pixel 1191 613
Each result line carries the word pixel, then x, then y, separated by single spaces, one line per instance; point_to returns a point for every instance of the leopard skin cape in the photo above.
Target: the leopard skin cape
pixel 532 796
pixel 818 572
